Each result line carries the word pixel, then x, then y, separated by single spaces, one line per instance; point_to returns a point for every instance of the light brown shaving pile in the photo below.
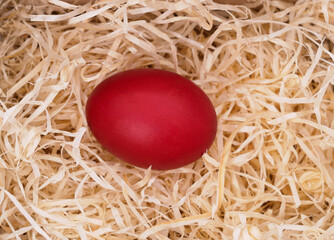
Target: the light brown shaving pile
pixel 269 71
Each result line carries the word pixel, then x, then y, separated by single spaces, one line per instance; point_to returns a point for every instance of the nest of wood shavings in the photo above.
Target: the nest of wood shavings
pixel 268 69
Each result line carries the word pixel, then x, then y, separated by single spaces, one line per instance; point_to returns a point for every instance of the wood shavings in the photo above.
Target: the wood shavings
pixel 268 68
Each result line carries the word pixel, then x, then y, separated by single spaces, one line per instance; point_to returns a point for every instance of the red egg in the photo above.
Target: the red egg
pixel 151 117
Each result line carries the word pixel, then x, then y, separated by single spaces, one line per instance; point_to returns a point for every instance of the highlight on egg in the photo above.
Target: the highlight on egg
pixel 152 118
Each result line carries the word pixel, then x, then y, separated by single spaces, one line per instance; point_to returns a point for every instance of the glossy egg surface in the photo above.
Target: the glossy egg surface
pixel 151 117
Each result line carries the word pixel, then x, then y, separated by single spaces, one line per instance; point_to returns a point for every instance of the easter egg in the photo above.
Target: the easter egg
pixel 152 117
